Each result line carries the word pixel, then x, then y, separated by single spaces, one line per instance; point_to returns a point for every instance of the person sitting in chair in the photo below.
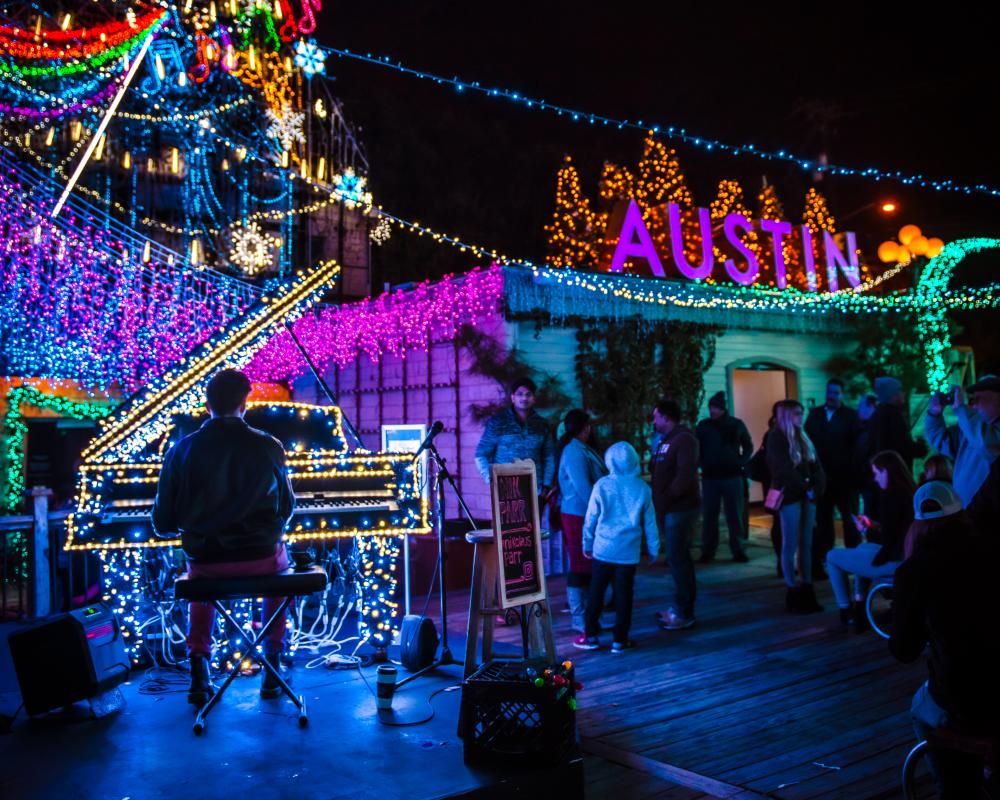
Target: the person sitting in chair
pixel 225 490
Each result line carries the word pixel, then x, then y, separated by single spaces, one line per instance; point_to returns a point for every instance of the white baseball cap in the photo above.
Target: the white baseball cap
pixel 939 498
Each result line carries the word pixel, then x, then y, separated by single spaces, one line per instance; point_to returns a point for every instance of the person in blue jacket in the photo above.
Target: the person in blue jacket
pixel 519 432
pixel 974 443
pixel 580 467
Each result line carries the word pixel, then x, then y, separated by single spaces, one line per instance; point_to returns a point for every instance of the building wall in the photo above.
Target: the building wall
pixel 553 350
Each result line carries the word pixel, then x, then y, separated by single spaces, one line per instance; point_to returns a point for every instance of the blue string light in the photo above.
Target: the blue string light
pixel 676 133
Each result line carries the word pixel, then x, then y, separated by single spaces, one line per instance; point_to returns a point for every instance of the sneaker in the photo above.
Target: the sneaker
pixel 621 647
pixel 672 621
pixel 741 557
pixel 586 643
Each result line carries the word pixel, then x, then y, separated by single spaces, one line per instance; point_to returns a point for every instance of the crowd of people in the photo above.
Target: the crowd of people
pixel 936 541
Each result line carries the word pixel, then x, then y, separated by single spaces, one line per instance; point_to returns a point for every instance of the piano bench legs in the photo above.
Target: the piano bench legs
pixel 300 703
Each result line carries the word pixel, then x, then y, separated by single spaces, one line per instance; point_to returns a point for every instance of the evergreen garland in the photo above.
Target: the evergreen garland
pixel 624 368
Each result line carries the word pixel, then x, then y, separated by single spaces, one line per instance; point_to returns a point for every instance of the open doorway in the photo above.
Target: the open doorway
pixel 755 387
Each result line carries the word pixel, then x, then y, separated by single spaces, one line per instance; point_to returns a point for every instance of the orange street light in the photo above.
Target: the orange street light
pixel 888 207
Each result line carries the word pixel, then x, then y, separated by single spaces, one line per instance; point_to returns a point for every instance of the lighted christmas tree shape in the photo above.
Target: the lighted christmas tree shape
pixel 576 230
pixel 770 208
pixel 817 218
pixel 616 183
pixel 729 200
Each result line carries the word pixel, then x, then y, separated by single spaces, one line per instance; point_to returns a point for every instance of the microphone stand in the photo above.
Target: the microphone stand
pixel 442 475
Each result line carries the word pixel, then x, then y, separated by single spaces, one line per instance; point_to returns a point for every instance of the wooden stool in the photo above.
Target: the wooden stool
pixel 484 606
pixel 287 584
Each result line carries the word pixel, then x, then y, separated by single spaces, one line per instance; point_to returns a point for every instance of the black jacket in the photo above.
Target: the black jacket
pixel 834 441
pixel 675 473
pixel 895 514
pixel 797 480
pixel 945 595
pixel 889 430
pixel 724 446
pixel 225 489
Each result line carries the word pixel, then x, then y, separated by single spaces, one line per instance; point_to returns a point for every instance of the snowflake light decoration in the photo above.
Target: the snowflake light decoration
pixel 381 232
pixel 350 188
pixel 251 248
pixel 309 58
pixel 286 127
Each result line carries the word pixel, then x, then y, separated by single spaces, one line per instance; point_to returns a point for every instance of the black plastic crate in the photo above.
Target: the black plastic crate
pixel 504 714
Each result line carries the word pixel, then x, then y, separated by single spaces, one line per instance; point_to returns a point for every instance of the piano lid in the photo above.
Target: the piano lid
pixel 302 428
pixel 145 417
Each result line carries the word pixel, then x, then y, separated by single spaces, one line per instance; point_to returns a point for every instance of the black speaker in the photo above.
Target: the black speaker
pixel 68 657
pixel 418 641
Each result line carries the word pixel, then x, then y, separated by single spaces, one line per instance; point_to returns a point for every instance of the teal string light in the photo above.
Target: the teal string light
pixel 932 300
pixel 673 132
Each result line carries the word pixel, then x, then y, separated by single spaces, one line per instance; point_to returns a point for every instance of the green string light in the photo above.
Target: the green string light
pixel 15 431
pixel 932 299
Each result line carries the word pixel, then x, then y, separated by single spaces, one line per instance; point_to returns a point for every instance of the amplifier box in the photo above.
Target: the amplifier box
pixel 68 657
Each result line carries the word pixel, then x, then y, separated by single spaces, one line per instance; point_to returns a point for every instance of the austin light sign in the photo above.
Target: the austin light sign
pixel 635 242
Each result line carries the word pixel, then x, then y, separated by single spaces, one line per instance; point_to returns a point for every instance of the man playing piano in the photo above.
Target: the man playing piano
pixel 225 489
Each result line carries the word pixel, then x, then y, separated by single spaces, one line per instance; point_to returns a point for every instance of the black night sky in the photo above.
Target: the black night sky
pixel 899 91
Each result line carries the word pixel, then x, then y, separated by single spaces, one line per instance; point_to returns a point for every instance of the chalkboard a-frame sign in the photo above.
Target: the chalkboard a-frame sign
pixel 517 533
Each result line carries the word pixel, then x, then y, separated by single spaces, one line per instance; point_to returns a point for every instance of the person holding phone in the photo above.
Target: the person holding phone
pixel 882 549
pixel 974 442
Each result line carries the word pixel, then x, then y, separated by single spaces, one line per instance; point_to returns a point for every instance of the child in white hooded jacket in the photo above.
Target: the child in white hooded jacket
pixel 619 516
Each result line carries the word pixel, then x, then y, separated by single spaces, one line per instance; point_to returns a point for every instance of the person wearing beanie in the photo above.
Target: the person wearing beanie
pixel 889 428
pixel 974 442
pixel 834 428
pixel 945 599
pixel 726 447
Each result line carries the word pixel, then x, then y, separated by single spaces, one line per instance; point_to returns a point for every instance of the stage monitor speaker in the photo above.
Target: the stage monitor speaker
pixel 418 642
pixel 68 657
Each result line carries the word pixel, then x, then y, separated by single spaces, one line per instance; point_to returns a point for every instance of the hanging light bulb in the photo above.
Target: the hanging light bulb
pixel 99 152
pixel 253 60
pixel 146 252
pixel 76 129
pixel 50 137
pixel 304 168
pixel 320 108
pixel 175 160
pixel 277 9
pixel 182 79
pixel 211 11
pixel 38 25
pixel 194 252
pixel 161 71
pixel 284 158
pixel 66 22
pixel 321 169
pixel 127 160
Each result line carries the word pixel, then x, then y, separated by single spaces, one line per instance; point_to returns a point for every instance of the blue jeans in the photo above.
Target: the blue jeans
pixel 727 492
pixel 857 561
pixel 678 531
pixel 797 520
pixel 959 776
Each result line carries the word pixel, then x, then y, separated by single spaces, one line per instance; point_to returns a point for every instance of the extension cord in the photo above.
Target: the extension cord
pixel 335 660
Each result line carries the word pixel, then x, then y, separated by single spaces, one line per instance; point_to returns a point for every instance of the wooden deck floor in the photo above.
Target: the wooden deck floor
pixel 752 702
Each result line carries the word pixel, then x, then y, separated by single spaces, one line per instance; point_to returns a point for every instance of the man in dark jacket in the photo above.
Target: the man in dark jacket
pixel 725 447
pixel 225 490
pixel 677 500
pixel 833 428
pixel 945 596
pixel 889 428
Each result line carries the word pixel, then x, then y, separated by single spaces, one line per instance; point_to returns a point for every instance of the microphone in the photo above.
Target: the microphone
pixel 436 428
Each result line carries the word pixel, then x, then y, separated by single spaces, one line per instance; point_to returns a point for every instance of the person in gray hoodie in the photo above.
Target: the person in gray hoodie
pixel 974 443
pixel 620 516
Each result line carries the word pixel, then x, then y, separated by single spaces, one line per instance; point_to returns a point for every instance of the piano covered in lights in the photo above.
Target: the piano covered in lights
pixel 374 498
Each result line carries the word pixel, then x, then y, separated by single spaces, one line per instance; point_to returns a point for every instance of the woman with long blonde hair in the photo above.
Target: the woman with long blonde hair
pixel 797 477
